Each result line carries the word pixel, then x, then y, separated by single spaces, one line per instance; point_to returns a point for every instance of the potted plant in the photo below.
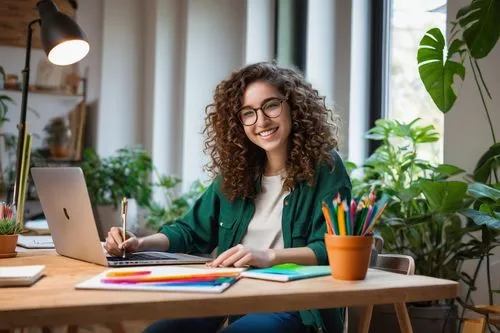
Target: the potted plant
pixel 173 206
pixel 473 35
pixel 424 216
pixel 127 173
pixel 9 230
pixel 58 137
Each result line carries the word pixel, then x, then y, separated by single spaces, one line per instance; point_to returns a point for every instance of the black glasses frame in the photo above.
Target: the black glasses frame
pixel 281 100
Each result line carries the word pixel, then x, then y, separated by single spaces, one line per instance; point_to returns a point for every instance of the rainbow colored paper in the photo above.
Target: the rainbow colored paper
pixel 165 278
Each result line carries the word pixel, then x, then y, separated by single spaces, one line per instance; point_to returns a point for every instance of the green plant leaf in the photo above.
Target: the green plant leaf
pixel 481 218
pixel 444 196
pixel 448 169
pixel 350 167
pixel 479 190
pixel 436 73
pixel 6 98
pixel 488 162
pixel 480 22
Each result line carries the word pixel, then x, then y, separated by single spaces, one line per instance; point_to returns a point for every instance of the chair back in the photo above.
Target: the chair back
pixel 396 263
pixel 378 243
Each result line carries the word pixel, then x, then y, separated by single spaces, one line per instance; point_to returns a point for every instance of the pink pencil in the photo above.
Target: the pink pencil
pixel 353 214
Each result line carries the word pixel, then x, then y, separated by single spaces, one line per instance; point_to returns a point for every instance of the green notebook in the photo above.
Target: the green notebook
pixel 286 272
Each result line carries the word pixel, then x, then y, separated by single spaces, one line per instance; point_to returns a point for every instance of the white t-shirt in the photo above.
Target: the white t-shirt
pixel 264 230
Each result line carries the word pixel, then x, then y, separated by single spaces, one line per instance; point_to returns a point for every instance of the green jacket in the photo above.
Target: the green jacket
pixel 214 221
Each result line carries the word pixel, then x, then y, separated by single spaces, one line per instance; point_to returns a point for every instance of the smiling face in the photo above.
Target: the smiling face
pixel 270 134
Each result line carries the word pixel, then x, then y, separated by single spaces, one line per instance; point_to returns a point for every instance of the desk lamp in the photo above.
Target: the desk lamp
pixel 64 43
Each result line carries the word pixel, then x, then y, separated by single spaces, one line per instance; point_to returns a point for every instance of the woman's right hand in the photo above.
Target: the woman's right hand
pixel 115 245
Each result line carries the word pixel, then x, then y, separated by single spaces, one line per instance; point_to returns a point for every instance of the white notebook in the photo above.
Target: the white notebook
pixel 20 275
pixel 35 242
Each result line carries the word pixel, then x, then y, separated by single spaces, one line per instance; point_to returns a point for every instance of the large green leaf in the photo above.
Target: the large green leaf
pixel 478 190
pixel 437 72
pixel 448 169
pixel 481 218
pixel 480 22
pixel 444 196
pixel 488 162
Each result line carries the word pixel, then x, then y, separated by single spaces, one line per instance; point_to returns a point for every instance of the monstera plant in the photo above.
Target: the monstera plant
pixel 473 35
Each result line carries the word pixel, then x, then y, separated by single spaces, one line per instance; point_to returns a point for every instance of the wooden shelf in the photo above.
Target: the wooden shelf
pixel 41 93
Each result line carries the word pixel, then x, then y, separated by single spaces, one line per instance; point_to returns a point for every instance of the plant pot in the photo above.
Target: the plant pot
pixel 8 245
pixel 60 151
pixel 348 256
pixel 428 319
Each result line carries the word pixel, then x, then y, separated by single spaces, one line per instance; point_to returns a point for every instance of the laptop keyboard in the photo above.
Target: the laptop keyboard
pixel 141 257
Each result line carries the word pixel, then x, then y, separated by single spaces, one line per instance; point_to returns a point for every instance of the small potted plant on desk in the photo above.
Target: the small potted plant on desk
pixel 9 229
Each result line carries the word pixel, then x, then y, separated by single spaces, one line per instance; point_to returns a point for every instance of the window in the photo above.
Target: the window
pixel 407 98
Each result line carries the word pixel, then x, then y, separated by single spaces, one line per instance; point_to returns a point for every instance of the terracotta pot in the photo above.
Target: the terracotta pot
pixel 349 256
pixel 8 245
pixel 59 151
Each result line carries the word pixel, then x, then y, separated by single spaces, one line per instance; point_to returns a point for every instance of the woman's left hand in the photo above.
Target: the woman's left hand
pixel 239 256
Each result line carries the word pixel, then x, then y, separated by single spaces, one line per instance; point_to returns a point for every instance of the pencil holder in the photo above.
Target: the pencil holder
pixel 349 256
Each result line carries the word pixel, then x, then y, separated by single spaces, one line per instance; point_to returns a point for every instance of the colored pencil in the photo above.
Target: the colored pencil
pixel 341 219
pixel 328 220
pixel 347 218
pixel 375 219
pixel 367 219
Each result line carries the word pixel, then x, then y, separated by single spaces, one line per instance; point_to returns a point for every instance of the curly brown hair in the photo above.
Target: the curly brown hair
pixel 237 160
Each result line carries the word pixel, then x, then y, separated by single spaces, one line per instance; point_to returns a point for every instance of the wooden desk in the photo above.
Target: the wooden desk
pixel 54 301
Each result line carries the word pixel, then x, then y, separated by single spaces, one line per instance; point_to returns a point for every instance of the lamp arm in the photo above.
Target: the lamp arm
pixel 24 107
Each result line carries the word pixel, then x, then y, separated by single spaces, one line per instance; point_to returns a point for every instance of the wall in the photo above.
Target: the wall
pixel 215 46
pixel 151 78
pixel 48 106
pixel 119 120
pixel 467 134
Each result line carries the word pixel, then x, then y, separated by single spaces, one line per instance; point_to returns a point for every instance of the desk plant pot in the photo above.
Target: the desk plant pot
pixel 9 229
pixel 349 256
pixel 8 245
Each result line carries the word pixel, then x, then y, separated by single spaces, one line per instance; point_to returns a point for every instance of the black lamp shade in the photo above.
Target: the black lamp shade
pixel 62 39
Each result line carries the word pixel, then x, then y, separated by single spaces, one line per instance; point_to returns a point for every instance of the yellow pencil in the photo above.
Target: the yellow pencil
pixel 341 219
pixel 326 213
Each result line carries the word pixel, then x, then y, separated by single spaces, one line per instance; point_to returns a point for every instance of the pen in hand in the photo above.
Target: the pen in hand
pixel 124 223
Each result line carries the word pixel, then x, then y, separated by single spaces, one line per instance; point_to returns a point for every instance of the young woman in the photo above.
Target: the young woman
pixel 272 142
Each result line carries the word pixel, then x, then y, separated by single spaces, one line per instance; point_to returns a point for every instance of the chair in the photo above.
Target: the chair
pixel 490 314
pixel 491 317
pixel 474 325
pixel 395 263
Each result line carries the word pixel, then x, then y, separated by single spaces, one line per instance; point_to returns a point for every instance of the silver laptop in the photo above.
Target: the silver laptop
pixel 66 204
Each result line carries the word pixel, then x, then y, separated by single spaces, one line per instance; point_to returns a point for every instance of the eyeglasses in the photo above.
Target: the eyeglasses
pixel 271 108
